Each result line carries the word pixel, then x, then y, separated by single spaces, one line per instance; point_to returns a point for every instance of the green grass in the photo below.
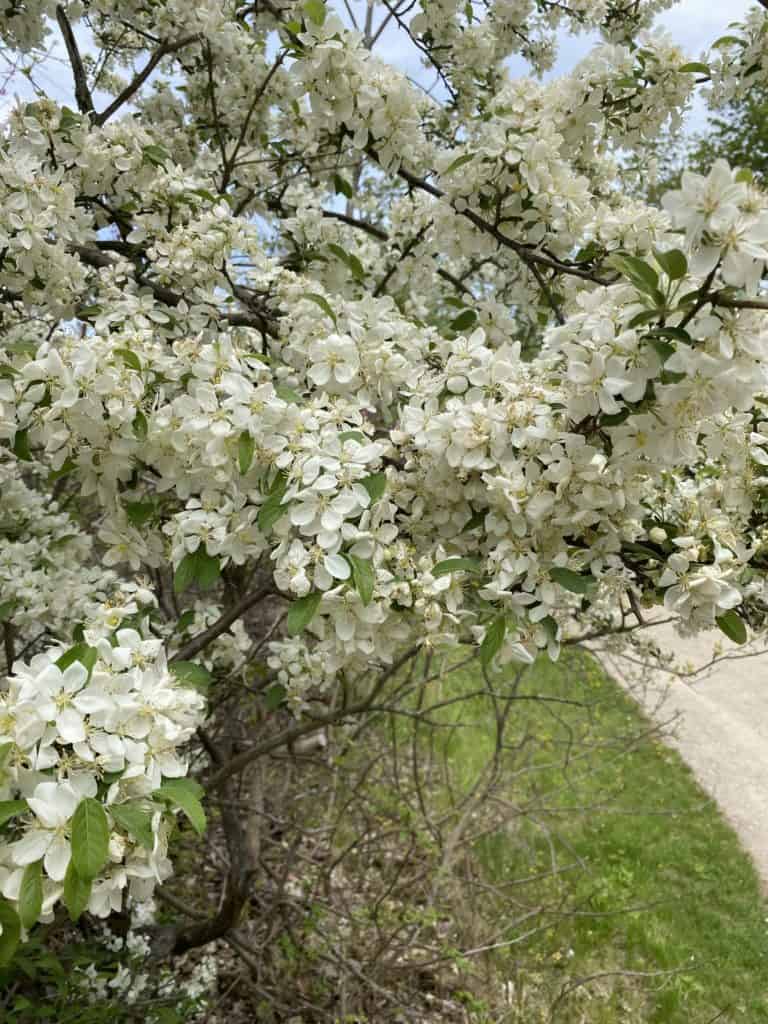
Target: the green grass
pixel 628 816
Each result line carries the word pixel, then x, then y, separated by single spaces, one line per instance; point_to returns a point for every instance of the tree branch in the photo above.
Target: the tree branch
pixel 221 625
pixel 93 257
pixel 719 299
pixel 140 78
pixel 526 253
pixel 82 92
pixel 229 164
pixel 287 736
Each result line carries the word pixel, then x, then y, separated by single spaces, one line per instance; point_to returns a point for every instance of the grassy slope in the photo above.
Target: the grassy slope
pixel 707 921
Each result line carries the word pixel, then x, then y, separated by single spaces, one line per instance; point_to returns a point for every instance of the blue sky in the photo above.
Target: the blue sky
pixel 692 23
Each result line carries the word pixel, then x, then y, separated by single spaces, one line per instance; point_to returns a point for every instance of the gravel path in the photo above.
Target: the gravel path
pixel 720 723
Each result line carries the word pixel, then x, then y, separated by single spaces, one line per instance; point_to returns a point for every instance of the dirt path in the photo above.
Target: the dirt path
pixel 721 724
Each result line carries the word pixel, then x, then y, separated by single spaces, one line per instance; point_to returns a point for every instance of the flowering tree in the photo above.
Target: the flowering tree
pixel 263 402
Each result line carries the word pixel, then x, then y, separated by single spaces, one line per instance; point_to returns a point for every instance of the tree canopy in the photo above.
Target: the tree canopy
pixel 267 396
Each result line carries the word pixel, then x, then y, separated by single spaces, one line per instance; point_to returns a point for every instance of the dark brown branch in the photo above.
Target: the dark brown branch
pixel 82 92
pixel 546 291
pixel 529 255
pixel 9 645
pixel 728 303
pixel 164 50
pixel 383 236
pixel 362 225
pixel 229 164
pixel 221 625
pixel 262 321
pixel 287 736
pixel 236 885
pixel 402 255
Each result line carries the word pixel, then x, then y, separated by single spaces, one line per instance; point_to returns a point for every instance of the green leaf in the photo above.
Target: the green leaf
pixel 322 302
pixel 641 274
pixel 301 613
pixel 185 573
pixel 21 446
pixel 349 259
pixel 352 435
pixel 614 419
pixel 363 576
pixel 464 320
pixel 644 318
pixel 155 155
pixel 7 609
pixel 6 749
pixel 67 466
pixel 375 484
pixel 77 892
pixel 641 550
pixel 676 333
pixel 477 520
pixel 31 894
pixel 673 263
pixel 184 794
pixel 274 696
pixel 9 939
pixel 185 620
pixel 287 394
pixel 459 162
pixel 727 41
pixel 273 507
pixel 192 674
pixel 662 348
pixel 550 627
pixel 135 817
pixel 315 11
pixel 139 512
pixel 570 580
pixel 245 449
pixel 590 252
pixel 140 426
pixel 90 838
pixel 342 186
pixel 733 626
pixel 83 653
pixel 196 567
pixel 695 66
pixel 10 808
pixel 492 641
pixel 450 565
pixel 86 312
pixel 355 266
pixel 129 358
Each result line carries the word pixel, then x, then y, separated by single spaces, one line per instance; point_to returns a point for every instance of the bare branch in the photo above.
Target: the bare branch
pixel 82 92
pixel 229 164
pixel 221 625
pixel 718 299
pixel 140 78
pixel 287 736
pixel 262 321
pixel 529 255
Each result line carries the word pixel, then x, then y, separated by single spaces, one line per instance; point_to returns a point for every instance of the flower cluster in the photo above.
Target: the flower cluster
pixel 408 358
pixel 92 733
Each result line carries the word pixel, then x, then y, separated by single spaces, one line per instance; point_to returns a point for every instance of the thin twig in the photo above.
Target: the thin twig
pixel 221 625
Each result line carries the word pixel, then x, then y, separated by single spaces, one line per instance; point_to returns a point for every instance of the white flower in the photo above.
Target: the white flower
pixel 334 361
pixel 53 804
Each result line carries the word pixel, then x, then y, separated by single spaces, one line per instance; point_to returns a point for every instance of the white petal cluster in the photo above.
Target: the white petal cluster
pixel 103 721
pixel 412 360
